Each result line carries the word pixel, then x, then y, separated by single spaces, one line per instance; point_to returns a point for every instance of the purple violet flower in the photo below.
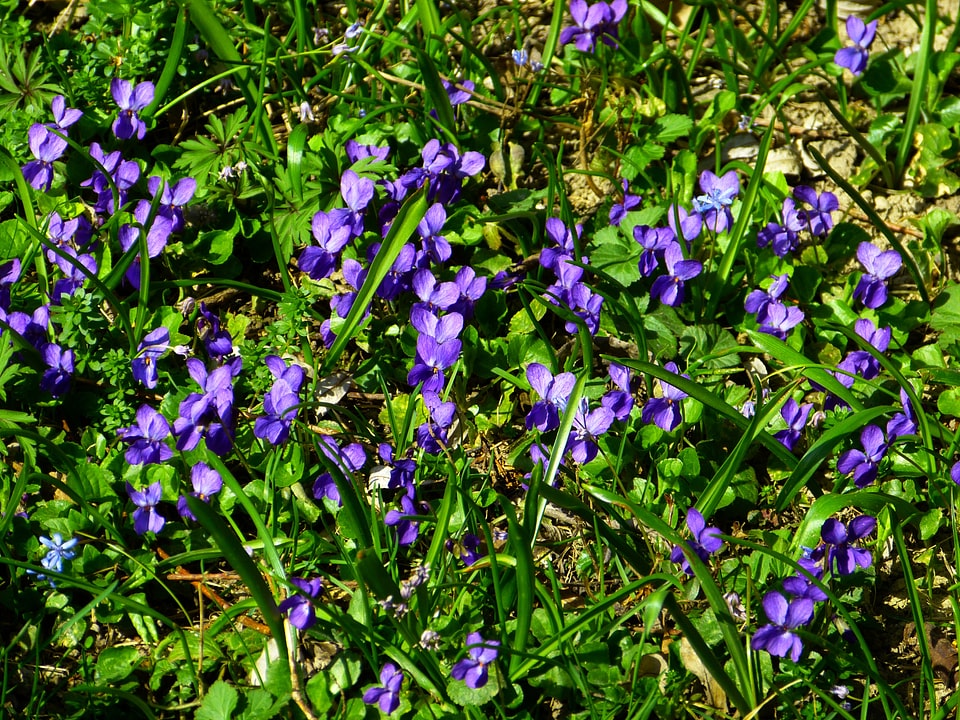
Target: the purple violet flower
pixel 63 117
pixel 861 362
pixel 554 393
pixel 147 438
pixel 841 555
pixel 758 301
pixel 206 483
pixel 594 22
pixel 796 418
pixel 60 368
pixel 587 426
pixel 704 541
pixel 669 287
pixel 434 297
pixel 217 341
pixel 356 152
pixel 714 204
pixel 654 242
pixel 320 262
pixel 208 415
pixel 387 694
pixel 801 586
pixel 281 403
pixel 781 319
pixel 349 459
pixel 145 517
pixel 47 147
pixel 562 237
pixel 618 211
pixel 620 401
pixel 872 288
pixel 473 669
pixel 130 100
pixel 778 637
pixel 861 35
pixel 155 344
pixel 434 244
pixel 173 198
pixel 432 435
pixel 471 289
pixel 819 218
pixel 863 463
pixel 458 95
pixel 357 192
pixel 684 224
pixel 664 411
pixel 298 606
pixel 902 423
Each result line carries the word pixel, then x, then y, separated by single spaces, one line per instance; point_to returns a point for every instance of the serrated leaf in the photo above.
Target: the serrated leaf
pixel 219 703
pixel 258 705
pixel 616 256
pixel 638 157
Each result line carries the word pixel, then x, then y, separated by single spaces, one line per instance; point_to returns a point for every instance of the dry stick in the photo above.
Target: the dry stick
pixel 903 229
pixel 182 574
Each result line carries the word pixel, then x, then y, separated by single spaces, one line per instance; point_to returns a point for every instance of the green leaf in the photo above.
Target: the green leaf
pixel 462 695
pixel 116 664
pixel 670 127
pixel 220 702
pixel 930 523
pixel 949 402
pixel 616 256
pixel 258 705
pixel 946 314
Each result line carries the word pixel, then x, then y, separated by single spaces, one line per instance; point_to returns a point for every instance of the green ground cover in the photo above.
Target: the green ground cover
pixel 576 360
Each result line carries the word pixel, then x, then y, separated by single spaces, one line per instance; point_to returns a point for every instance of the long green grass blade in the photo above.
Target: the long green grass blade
pixel 710 400
pixel 169 72
pixel 813 371
pixel 918 94
pixel 232 548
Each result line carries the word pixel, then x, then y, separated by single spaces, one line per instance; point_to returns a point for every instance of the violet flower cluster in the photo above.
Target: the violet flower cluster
pixel 792 608
pixel 568 290
pixel 281 403
pixel 813 216
pixel 588 423
pixel 773 315
pixel 662 246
